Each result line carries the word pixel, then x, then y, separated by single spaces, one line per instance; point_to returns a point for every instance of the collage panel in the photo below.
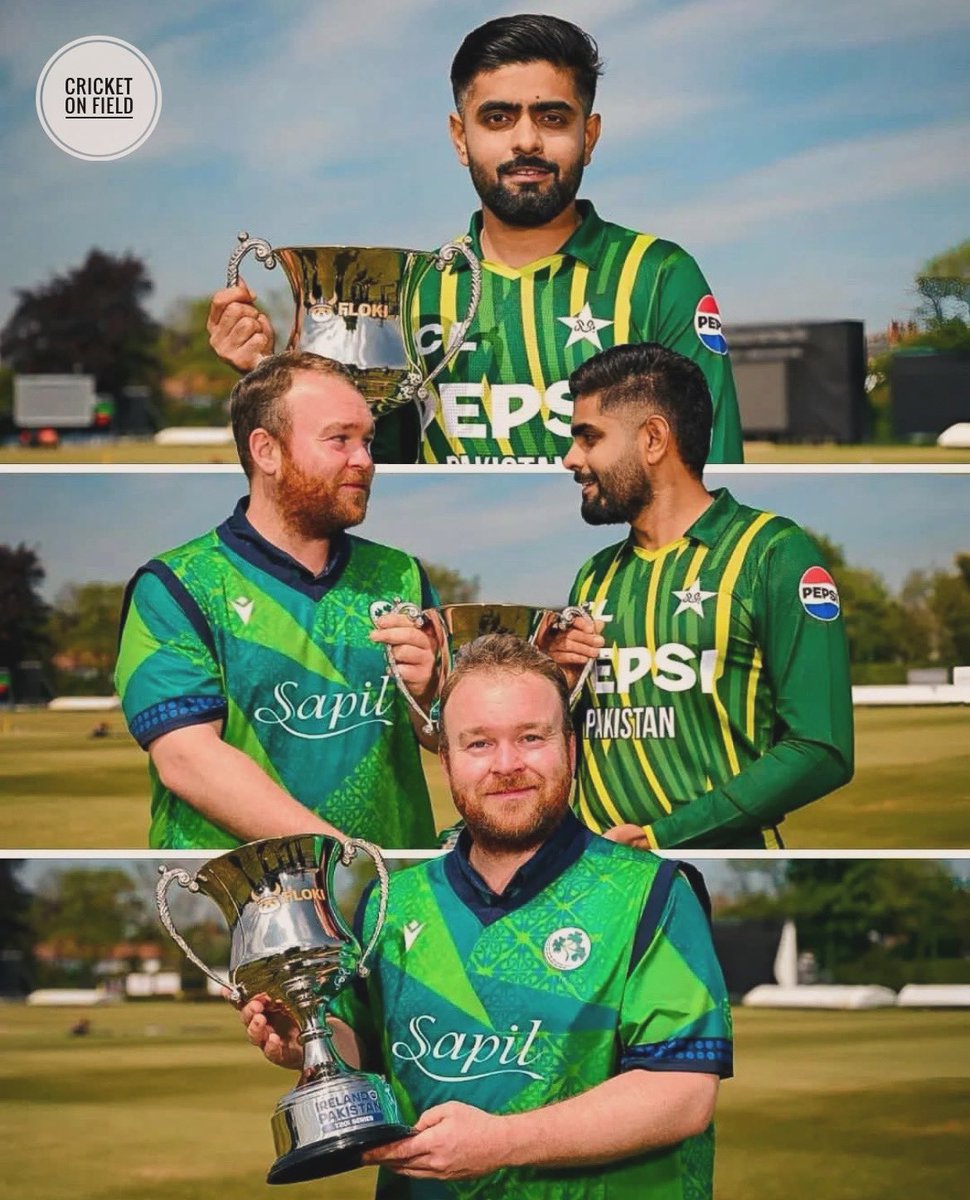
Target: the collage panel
pixel 125 1070
pixel 691 676
pixel 609 216
pixel 340 751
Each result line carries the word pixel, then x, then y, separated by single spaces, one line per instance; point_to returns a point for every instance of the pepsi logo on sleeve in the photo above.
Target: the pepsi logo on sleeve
pixel 707 325
pixel 819 595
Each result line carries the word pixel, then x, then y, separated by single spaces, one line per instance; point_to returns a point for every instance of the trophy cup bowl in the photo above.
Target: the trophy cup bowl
pixel 289 942
pixel 454 626
pixel 353 305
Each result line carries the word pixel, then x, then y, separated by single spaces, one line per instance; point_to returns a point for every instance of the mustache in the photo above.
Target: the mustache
pixel 361 475
pixel 579 477
pixel 513 781
pixel 528 160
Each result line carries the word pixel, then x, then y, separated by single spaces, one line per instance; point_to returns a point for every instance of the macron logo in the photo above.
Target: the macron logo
pixel 411 931
pixel 243 607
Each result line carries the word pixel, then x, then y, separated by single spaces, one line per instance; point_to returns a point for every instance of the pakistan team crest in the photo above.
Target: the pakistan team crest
pixel 567 949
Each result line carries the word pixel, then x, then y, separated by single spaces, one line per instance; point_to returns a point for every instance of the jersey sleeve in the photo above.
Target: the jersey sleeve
pixel 806 659
pixel 167 675
pixel 686 319
pixel 675 1014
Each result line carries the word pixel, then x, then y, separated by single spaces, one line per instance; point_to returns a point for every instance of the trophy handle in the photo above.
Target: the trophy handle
pixel 421 619
pixel 456 337
pixel 184 879
pixel 259 246
pixel 350 848
pixel 560 620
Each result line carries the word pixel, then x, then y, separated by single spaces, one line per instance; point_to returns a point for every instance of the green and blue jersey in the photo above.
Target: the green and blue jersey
pixel 229 627
pixel 596 959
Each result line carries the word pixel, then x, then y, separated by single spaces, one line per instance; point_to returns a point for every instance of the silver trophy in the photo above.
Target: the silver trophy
pixel 290 943
pixel 453 626
pixel 349 306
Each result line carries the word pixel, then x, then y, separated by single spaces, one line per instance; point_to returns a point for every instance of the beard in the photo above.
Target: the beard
pixel 502 826
pixel 621 493
pixel 316 507
pixel 527 205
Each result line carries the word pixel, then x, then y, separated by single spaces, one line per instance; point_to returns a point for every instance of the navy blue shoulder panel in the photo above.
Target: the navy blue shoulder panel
pixel 657 898
pixel 179 593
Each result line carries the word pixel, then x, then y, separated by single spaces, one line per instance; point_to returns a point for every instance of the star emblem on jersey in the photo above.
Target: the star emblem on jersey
pixel 567 948
pixel 411 931
pixel 243 607
pixel 692 598
pixel 584 327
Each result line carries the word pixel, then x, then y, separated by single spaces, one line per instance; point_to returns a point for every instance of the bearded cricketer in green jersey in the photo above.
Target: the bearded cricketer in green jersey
pixel 721 698
pixel 559 283
pixel 546 1004
pixel 249 666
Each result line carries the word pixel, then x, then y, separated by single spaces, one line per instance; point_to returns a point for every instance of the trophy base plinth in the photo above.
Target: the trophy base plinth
pixel 322 1128
pixel 334 1156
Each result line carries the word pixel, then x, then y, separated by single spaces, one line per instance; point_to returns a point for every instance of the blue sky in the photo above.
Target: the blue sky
pixel 522 536
pixel 811 156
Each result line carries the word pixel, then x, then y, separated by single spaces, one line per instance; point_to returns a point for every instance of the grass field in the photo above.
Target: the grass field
pixel 61 790
pixel 755 453
pixel 165 1100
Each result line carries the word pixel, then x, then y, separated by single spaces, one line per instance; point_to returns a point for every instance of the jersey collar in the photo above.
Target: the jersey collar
pixel 554 856
pixel 706 529
pixel 715 519
pixel 586 244
pixel 239 535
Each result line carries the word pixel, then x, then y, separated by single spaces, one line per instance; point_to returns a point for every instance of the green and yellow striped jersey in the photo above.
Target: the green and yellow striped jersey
pixel 228 627
pixel 505 396
pixel 722 698
pixel 597 959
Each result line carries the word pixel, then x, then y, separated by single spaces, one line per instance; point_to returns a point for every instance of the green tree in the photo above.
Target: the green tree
pixel 84 913
pixel 949 601
pixel 90 320
pixel 16 934
pixel 6 399
pixel 922 625
pixel 944 285
pixel 844 907
pixel 452 586
pixel 23 613
pixel 862 911
pixel 84 628
pixel 875 623
pixel 190 368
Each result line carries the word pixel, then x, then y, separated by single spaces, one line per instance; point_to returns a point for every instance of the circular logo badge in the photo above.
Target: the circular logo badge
pixel 98 98
pixel 567 949
pixel 819 595
pixel 707 325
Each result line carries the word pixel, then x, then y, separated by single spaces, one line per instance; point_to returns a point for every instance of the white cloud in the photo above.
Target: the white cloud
pixel 848 174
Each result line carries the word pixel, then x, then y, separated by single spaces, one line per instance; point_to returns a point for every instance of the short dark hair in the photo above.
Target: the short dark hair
pixel 254 402
pixel 649 377
pixel 528 38
pixel 498 653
